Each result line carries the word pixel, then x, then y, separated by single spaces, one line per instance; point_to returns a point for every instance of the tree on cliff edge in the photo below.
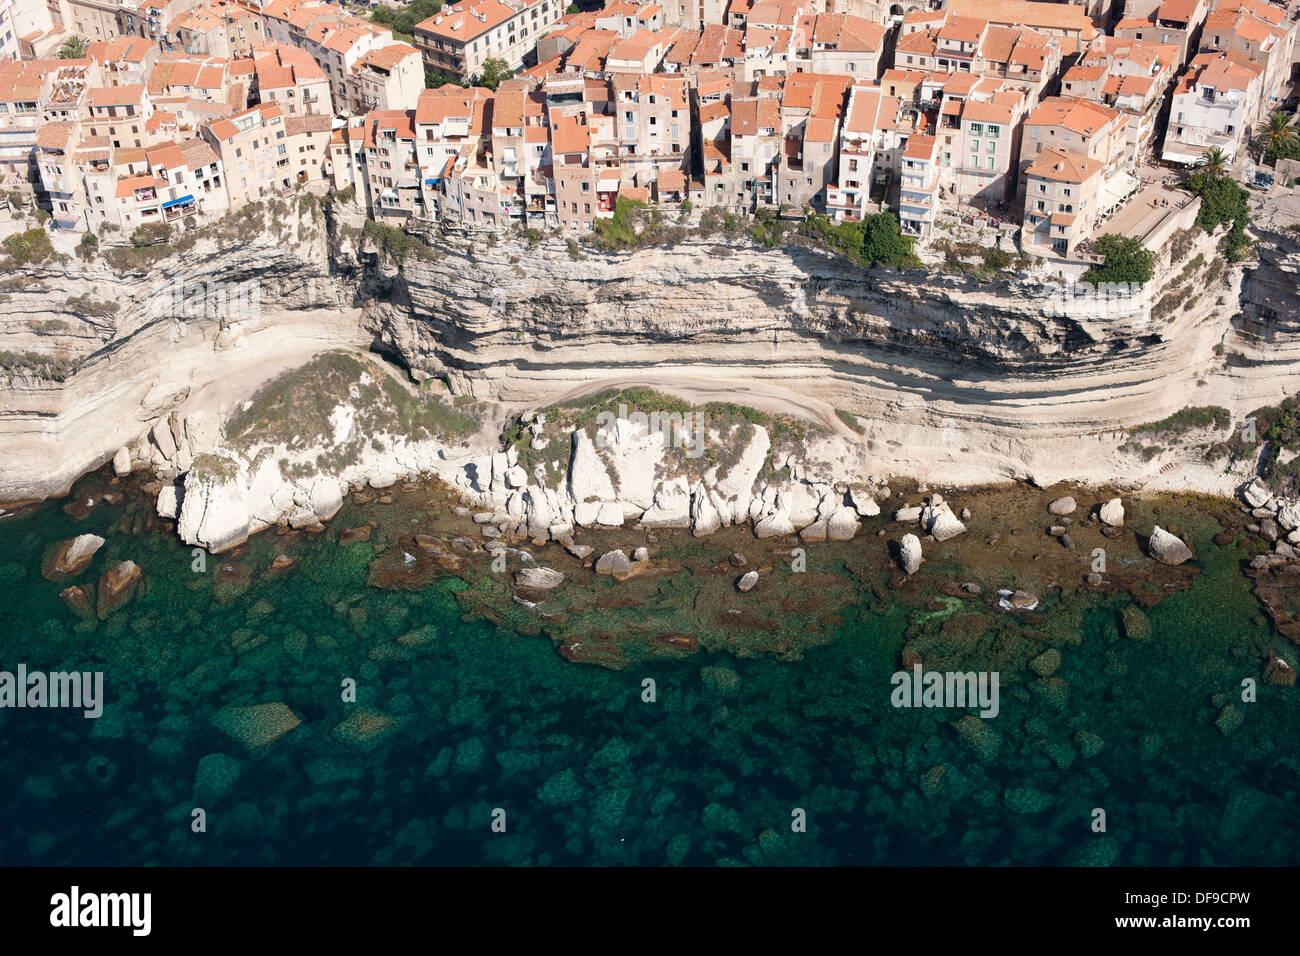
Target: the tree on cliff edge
pixel 1126 260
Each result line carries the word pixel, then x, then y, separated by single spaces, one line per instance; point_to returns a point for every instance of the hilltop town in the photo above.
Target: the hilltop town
pixel 1033 128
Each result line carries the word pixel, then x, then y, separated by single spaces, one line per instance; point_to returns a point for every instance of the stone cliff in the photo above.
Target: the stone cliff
pixel 941 375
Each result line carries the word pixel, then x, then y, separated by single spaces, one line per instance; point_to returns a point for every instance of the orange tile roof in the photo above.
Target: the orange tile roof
pixel 1061 165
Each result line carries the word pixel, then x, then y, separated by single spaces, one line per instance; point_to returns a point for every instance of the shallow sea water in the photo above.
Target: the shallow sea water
pixel 485 718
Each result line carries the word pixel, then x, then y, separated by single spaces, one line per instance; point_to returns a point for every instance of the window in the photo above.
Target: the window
pixel 992 162
pixel 975 145
pixel 992 131
pixel 974 160
pixel 977 129
pixel 992 147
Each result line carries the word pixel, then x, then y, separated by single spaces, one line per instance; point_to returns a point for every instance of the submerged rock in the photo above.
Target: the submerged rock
pixel 1135 623
pixel 539 578
pixel 71 557
pixel 363 729
pixel 116 586
pixel 257 726
pixel 979 736
pixel 215 776
pixel 1046 663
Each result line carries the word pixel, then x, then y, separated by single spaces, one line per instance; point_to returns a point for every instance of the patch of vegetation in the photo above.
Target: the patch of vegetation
pixel 402 21
pixel 1222 200
pixel 35 365
pixel 295 409
pixel 1181 244
pixel 396 243
pixel 28 248
pixel 85 305
pixel 1188 419
pixel 1278 426
pixel 874 240
pixel 88 247
pixel 768 230
pixel 151 234
pixel 634 226
pixel 848 418
pixel 1125 260
pixel 215 467
pixel 1147 452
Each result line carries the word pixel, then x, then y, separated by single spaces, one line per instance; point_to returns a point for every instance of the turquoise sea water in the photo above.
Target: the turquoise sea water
pixel 585 770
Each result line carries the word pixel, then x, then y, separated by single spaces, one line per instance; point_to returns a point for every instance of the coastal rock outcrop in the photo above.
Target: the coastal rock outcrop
pixel 1167 548
pixel 909 554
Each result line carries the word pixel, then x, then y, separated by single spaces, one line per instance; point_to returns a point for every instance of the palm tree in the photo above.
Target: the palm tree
pixel 1277 133
pixel 1214 162
pixel 74 48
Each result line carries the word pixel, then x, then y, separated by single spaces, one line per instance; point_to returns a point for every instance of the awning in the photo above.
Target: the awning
pixel 1117 189
pixel 183 201
pixel 432 182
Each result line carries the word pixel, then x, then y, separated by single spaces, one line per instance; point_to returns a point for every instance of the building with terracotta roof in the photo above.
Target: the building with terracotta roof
pixel 652 125
pixel 872 137
pixel 1080 126
pixel 254 151
pixel 463 35
pixel 389 77
pixel 123 60
pixel 918 186
pixel 30 29
pixel 1061 204
pixel 118 112
pixel 839 43
pixel 289 76
pixel 1173 22
pixel 1215 105
pixel 983 153
pixel 1130 76
pixel 1263 33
